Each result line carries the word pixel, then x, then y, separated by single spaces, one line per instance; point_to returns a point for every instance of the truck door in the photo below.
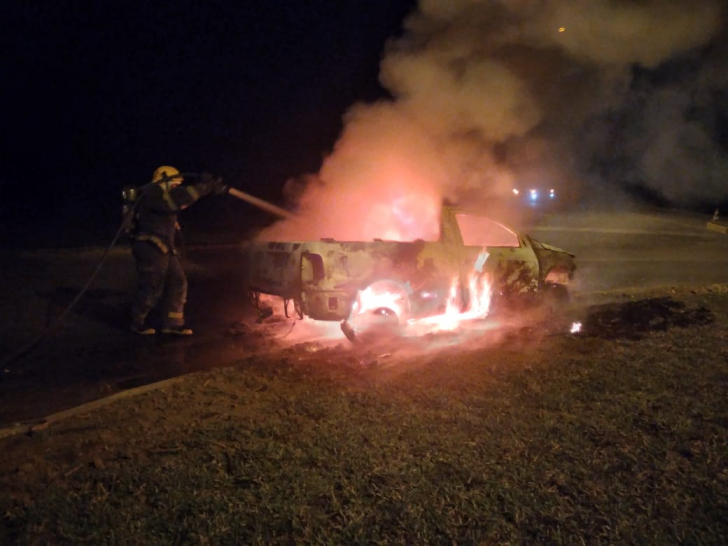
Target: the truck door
pixel 498 251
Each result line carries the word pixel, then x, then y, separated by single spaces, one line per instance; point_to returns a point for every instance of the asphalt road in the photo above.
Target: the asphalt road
pixel 638 250
pixel 92 354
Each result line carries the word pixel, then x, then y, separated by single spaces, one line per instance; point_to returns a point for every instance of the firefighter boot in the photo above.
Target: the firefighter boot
pixel 142 330
pixel 177 330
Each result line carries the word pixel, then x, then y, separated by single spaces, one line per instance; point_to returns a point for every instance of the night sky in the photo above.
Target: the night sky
pixel 98 94
pixel 624 101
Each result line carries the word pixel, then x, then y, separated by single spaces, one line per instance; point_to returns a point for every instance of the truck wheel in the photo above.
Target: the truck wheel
pixel 373 326
pixel 381 322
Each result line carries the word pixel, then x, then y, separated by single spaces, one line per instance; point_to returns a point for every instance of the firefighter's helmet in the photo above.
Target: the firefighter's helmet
pixel 166 174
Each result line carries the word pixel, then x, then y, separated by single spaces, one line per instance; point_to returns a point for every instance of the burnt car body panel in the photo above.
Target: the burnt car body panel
pixel 324 277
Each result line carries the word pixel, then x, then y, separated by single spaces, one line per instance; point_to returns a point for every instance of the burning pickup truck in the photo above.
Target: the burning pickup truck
pixel 474 265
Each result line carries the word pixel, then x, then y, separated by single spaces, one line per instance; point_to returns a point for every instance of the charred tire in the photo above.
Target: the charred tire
pixel 386 318
pixel 374 326
pixel 380 322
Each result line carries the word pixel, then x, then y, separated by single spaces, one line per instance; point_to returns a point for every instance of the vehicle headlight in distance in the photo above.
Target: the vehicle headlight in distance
pixel 534 195
pixel 552 193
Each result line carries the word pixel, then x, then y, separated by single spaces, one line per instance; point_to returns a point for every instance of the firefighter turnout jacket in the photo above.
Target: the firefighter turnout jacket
pixel 157 209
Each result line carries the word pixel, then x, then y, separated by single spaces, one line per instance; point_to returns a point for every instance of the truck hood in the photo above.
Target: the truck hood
pixel 547 246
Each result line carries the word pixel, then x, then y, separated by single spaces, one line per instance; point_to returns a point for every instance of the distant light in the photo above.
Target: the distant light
pixel 515 191
pixel 552 193
pixel 534 195
pixel 575 327
pixel 562 29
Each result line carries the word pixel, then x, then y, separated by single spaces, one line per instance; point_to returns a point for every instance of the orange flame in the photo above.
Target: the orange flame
pixel 387 296
pixel 480 291
pixel 381 296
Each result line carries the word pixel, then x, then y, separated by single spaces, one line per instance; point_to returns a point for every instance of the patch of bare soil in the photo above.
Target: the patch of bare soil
pixel 634 319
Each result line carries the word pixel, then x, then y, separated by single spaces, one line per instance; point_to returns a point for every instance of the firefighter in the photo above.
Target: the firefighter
pixel 159 272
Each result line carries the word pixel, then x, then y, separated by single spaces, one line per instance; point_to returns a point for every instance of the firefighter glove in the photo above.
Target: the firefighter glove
pixel 218 188
pixel 206 184
pixel 203 188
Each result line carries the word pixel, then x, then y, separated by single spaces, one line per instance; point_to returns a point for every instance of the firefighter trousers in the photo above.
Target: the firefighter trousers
pixel 160 280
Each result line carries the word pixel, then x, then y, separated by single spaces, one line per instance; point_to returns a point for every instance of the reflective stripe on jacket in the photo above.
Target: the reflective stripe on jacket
pixel 156 214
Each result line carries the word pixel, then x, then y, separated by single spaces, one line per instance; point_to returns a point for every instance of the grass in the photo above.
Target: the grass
pixel 559 440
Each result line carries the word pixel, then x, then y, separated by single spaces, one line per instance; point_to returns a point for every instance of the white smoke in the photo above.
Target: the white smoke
pixel 486 92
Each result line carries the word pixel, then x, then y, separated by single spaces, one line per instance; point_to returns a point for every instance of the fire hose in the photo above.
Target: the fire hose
pixel 260 203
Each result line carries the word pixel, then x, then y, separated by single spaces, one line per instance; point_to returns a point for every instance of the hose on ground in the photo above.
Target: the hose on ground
pixel 143 190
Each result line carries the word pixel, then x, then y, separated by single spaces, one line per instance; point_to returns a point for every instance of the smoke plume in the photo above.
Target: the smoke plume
pixel 573 94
